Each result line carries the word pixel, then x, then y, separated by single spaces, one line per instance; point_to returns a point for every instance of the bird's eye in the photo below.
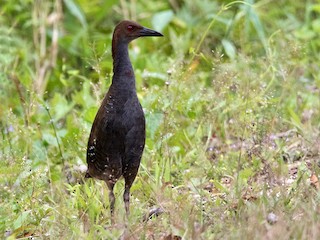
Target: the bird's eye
pixel 130 28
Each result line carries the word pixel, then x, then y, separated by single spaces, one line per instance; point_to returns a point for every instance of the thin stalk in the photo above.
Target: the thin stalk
pixel 55 133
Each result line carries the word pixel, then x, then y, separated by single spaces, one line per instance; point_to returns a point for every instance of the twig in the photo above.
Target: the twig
pixel 18 86
pixel 56 135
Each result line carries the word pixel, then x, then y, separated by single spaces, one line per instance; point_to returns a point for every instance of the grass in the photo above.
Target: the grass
pixel 232 102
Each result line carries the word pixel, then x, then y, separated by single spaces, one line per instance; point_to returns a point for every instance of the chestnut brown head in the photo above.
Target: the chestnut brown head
pixel 129 30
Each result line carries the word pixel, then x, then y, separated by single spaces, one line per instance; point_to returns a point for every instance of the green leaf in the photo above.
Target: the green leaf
pixel 21 220
pixel 89 114
pixel 154 121
pixel 296 121
pixel 305 33
pixel 316 25
pixel 162 19
pixel 60 106
pixel 229 48
pixel 316 8
pixel 76 11
pixel 50 139
pixel 219 186
pixel 245 174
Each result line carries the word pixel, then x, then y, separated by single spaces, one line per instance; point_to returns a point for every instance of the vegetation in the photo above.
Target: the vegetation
pixel 232 101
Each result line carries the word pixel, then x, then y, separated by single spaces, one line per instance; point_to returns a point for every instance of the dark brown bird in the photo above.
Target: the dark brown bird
pixel 117 136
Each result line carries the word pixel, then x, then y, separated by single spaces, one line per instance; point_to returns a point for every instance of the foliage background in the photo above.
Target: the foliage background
pixel 232 100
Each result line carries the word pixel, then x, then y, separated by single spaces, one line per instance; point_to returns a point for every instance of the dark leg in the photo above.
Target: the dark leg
pixel 112 199
pixel 128 178
pixel 135 140
pixel 126 199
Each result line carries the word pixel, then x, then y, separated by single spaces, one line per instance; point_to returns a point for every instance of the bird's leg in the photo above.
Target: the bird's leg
pixel 129 174
pixel 112 199
pixel 126 199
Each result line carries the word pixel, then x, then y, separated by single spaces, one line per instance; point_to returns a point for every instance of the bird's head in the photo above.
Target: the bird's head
pixel 128 30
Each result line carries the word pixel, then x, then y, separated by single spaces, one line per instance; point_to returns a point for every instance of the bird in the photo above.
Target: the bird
pixel 118 134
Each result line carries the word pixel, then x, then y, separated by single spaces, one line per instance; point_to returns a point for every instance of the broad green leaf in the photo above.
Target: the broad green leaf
pixel 229 48
pixel 153 122
pixel 162 19
pixel 22 219
pixel 60 106
pixel 90 114
pixel 76 11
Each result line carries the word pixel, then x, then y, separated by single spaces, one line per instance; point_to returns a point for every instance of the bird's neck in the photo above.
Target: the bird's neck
pixel 123 75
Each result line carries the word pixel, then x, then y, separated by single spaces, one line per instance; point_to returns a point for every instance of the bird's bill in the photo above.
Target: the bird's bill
pixel 146 32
